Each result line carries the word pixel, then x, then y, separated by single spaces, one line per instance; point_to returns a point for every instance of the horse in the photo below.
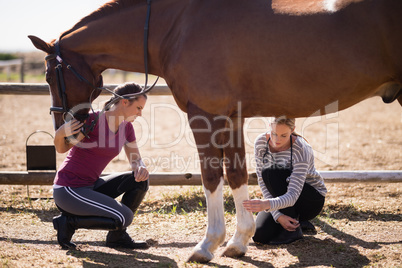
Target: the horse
pixel 226 60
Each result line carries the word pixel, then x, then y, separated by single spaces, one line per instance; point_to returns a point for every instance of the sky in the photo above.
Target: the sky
pixel 46 19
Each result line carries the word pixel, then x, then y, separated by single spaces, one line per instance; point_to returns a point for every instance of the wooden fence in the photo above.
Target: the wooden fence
pixel 7 64
pixel 43 89
pixel 46 178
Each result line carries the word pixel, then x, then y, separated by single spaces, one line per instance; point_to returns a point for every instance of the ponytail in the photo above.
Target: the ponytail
pixel 121 91
pixel 109 103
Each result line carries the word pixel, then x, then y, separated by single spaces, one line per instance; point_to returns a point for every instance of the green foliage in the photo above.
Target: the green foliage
pixel 7 56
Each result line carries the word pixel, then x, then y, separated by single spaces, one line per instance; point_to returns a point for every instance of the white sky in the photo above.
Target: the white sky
pixel 44 18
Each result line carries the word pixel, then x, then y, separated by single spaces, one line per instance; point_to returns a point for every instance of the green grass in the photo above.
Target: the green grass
pixel 190 200
pixel 12 77
pixel 15 77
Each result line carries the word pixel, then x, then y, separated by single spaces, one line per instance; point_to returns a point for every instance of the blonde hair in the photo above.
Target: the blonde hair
pixel 290 122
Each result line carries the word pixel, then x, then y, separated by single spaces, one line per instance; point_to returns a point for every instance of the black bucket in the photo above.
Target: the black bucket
pixel 40 157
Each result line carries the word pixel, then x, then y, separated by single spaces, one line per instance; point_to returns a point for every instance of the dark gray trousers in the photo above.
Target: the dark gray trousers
pixel 99 199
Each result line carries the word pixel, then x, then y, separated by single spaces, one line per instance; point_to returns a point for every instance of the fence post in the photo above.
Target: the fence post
pixel 22 69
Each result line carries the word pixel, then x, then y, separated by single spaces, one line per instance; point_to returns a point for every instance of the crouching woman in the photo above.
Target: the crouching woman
pixel 87 200
pixel 293 191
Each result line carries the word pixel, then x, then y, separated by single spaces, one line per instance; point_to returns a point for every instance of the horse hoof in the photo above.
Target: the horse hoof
pixel 200 257
pixel 233 252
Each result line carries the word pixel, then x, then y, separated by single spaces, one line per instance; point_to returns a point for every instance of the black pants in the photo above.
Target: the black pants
pixel 99 199
pixel 308 206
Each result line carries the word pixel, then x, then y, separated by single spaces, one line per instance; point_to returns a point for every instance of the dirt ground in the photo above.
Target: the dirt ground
pixel 360 226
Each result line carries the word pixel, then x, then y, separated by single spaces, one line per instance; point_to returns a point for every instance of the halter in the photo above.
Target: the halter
pixel 62 87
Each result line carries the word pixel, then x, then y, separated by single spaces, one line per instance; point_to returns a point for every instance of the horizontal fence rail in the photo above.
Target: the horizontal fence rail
pixel 159 179
pixel 43 89
pixel 6 63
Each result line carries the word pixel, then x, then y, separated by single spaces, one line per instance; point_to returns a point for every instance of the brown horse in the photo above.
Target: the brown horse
pixel 225 60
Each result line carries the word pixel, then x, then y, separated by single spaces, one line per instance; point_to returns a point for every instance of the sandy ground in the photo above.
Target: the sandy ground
pixel 360 226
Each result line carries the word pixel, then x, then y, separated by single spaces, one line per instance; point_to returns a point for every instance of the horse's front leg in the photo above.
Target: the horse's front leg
pixel 215 235
pixel 236 171
pixel 210 153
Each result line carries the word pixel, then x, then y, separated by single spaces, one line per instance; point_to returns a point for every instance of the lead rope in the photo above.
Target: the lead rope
pixel 146 34
pixel 145 89
pixel 88 128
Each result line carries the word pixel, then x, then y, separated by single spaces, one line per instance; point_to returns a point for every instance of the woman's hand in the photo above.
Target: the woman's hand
pixel 141 174
pixel 256 205
pixel 288 223
pixel 70 128
pixel 133 154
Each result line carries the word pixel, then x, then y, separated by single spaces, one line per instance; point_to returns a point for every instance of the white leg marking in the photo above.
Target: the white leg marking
pixel 237 245
pixel 215 235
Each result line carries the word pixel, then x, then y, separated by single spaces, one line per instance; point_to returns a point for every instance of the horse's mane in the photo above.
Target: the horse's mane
pixel 106 9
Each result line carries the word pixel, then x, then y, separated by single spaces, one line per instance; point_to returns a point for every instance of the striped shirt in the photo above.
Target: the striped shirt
pixel 303 172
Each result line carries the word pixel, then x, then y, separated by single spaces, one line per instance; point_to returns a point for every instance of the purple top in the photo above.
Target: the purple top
pixel 87 159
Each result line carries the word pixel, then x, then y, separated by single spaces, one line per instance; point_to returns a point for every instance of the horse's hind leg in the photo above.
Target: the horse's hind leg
pixel 236 170
pixel 204 129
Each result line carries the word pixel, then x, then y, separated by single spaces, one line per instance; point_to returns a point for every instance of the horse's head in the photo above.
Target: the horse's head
pixel 72 83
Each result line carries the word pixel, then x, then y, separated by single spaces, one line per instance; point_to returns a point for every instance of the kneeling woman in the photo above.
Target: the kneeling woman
pixel 293 191
pixel 87 200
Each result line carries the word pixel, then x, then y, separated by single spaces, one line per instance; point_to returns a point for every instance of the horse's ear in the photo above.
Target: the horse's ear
pixel 40 44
